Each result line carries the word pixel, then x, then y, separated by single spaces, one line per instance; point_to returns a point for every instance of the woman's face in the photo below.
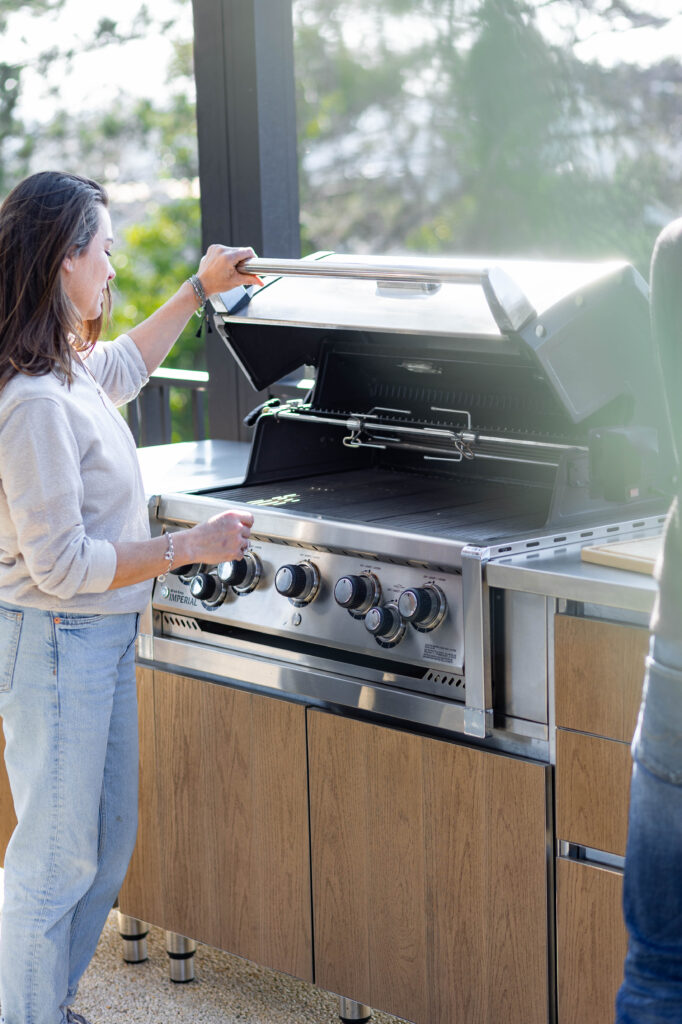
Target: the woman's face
pixel 86 275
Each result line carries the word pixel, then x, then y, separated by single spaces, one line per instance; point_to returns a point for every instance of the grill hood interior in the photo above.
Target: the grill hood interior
pixel 583 348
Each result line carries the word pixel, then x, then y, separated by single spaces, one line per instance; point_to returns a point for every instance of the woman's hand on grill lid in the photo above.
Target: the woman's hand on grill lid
pixel 218 270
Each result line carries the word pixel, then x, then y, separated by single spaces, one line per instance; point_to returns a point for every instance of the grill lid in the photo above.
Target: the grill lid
pixel 480 368
pixel 584 327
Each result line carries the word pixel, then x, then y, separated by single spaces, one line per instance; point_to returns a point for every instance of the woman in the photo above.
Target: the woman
pixel 652 988
pixel 76 564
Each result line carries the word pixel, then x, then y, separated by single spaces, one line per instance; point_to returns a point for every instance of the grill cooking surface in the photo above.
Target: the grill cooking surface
pixel 474 511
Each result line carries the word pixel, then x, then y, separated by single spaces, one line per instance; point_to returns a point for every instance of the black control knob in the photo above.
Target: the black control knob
pixel 232 572
pixel 357 593
pixel 291 580
pixel 187 572
pixel 299 583
pixel 242 575
pixel 424 607
pixel 385 624
pixel 207 588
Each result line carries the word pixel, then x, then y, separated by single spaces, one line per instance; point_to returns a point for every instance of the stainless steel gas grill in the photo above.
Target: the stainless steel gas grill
pixel 461 412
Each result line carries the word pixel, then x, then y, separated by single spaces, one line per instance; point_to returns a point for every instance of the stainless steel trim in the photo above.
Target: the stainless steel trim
pixel 503 568
pixel 552 611
pixel 323 687
pixel 588 855
pixel 180 957
pixel 510 308
pixel 310 532
pixel 477 648
pixel 408 273
pixel 133 933
pixel 352 1011
pixel 504 554
pixel 573 580
pixel 145 646
pixel 179 944
pixel 531 730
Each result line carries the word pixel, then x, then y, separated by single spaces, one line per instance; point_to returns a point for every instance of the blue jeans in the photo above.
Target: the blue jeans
pixel 651 992
pixel 69 709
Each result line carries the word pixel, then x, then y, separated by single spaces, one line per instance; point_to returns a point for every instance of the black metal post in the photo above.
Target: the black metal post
pixel 246 122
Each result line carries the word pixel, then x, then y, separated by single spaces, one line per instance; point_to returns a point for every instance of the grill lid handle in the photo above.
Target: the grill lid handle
pixel 509 306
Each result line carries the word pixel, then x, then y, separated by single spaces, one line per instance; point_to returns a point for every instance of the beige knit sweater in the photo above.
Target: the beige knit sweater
pixel 70 485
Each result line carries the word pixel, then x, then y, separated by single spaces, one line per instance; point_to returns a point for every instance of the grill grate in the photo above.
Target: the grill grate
pixel 476 511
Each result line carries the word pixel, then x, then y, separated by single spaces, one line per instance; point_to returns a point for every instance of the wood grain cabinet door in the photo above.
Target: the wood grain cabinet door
pixel 223 852
pixel 599 672
pixel 592 791
pixel 591 942
pixel 429 875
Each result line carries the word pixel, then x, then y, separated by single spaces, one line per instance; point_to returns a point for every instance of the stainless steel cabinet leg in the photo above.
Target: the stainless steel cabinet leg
pixel 351 1012
pixel 134 934
pixel 181 957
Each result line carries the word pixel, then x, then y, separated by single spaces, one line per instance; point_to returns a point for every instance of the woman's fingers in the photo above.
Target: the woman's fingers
pixel 219 271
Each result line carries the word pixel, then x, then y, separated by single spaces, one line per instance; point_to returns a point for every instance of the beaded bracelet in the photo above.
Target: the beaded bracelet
pixel 169 555
pixel 199 292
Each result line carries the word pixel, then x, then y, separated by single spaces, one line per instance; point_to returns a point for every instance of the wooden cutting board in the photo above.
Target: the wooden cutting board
pixel 635 555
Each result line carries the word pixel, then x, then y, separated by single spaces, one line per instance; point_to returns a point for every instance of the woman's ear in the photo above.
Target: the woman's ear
pixel 67 262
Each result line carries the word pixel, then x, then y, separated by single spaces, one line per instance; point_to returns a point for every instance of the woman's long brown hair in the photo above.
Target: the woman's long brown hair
pixel 46 217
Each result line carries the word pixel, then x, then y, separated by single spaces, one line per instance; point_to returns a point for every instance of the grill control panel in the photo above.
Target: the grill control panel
pixel 408 613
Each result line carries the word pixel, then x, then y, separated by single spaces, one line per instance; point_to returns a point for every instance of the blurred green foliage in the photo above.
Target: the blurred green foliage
pixel 485 126
pixel 156 255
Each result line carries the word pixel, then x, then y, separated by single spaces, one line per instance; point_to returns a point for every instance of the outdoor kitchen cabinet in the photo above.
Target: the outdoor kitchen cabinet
pixel 222 854
pixel 429 868
pixel 599 668
pixel 429 875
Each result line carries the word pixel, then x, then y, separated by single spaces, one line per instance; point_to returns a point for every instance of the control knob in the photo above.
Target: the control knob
pixel 243 574
pixel 357 593
pixel 300 583
pixel 385 624
pixel 424 607
pixel 188 572
pixel 208 589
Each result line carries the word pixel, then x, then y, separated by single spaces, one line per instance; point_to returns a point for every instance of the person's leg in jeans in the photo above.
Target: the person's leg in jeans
pixel 117 823
pixel 651 992
pixel 60 869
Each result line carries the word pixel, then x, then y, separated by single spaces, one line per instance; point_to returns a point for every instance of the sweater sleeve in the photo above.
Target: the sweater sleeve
pixel 41 478
pixel 119 368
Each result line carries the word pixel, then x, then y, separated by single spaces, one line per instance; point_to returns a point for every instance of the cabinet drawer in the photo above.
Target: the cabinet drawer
pixel 592 791
pixel 591 942
pixel 598 671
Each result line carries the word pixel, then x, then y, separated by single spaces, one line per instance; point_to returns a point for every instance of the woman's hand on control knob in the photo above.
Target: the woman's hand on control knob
pixel 221 538
pixel 218 268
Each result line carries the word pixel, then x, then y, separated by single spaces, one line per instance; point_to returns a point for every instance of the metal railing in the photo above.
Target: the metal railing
pixel 149 415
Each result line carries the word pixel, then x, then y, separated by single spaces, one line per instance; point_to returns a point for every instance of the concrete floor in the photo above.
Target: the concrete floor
pixel 226 990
